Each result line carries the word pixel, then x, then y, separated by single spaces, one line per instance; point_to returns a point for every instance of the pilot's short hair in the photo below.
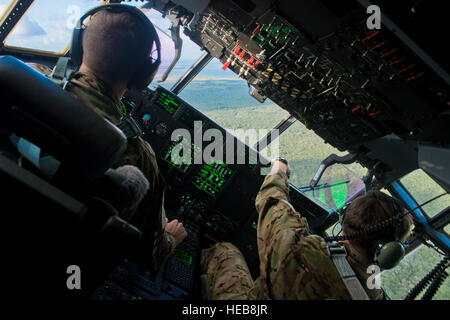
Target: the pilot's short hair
pixel 114 43
pixel 370 209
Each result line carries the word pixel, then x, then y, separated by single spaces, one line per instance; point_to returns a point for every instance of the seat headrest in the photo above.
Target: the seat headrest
pixel 36 109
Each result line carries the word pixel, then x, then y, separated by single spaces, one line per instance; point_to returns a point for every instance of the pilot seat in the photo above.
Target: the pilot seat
pixel 51 221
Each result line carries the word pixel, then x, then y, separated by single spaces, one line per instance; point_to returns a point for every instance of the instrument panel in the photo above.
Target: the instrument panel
pixel 348 83
pixel 216 193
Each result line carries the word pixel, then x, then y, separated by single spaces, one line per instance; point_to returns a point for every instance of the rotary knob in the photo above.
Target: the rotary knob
pixel 161 129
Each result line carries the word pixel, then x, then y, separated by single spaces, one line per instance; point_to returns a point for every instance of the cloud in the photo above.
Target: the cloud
pixel 28 27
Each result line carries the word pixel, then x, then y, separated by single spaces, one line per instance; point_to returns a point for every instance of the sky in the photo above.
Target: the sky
pixel 48 25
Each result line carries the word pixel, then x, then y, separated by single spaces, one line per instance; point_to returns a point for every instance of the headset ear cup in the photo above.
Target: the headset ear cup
pixel 387 254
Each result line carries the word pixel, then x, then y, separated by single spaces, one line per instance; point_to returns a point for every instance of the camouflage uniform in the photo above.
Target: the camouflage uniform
pixel 293 263
pixel 99 96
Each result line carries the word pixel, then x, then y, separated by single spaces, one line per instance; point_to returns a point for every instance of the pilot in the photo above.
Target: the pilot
pixel 113 44
pixel 294 263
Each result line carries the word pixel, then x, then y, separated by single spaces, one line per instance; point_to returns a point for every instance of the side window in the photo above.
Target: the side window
pixel 422 188
pixel 400 280
pixel 48 24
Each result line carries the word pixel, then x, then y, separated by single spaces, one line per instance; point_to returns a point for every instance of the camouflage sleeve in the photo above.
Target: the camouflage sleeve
pixel 40 68
pixel 292 260
pixel 274 194
pixel 163 247
pixel 278 221
pixel 140 154
pixel 228 275
pixel 164 244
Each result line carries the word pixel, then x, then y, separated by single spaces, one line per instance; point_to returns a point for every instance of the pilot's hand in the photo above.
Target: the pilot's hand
pixel 177 230
pixel 280 166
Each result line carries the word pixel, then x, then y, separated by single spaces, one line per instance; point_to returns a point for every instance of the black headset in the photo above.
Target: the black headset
pixel 147 71
pixel 388 251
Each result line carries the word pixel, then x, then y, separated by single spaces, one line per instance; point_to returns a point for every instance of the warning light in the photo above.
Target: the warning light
pixel 225 65
pixel 256 31
pixel 356 109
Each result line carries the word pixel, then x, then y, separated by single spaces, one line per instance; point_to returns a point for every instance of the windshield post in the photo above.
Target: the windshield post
pixel 271 136
pixel 192 72
pixel 13 17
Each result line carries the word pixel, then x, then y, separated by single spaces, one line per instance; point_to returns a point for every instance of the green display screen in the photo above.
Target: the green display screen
pixel 212 178
pixel 168 102
pixel 183 257
pixel 176 160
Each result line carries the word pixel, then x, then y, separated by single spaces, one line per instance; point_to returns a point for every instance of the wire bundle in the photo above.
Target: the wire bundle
pixel 436 277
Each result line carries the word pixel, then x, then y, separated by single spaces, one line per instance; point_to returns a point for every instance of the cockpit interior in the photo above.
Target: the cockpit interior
pixel 352 105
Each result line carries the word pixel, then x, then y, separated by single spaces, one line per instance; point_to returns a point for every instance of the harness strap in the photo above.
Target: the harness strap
pixel 338 254
pixel 61 73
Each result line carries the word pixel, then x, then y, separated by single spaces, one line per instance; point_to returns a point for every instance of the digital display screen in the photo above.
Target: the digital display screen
pixel 183 257
pixel 176 159
pixel 212 178
pixel 168 102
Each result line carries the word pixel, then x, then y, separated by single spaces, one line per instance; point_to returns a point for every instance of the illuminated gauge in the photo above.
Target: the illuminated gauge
pixel 146 120
pixel 161 129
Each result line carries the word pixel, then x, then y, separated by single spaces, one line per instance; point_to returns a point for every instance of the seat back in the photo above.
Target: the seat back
pixel 34 108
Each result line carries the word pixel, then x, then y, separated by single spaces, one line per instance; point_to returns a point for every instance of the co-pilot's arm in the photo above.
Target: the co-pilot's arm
pixel 272 203
pixel 280 228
